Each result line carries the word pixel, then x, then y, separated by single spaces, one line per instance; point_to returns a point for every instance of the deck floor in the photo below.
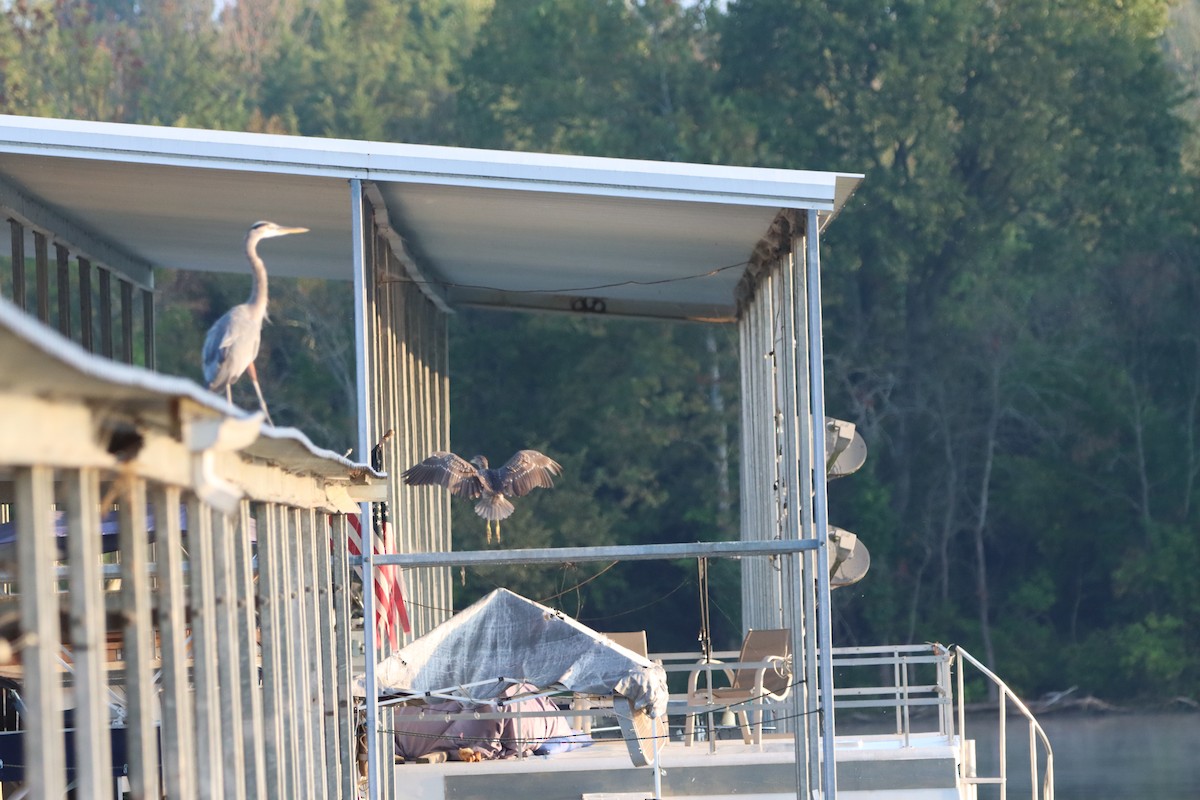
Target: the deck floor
pixel 605 768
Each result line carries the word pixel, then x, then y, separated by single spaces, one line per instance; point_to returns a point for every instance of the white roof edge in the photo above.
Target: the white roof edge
pixel 384 161
pixel 57 347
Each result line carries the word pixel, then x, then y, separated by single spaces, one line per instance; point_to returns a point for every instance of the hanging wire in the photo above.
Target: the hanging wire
pixel 642 607
pixel 579 585
pixel 567 290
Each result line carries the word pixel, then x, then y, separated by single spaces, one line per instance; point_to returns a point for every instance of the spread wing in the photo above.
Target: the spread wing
pixel 528 470
pixel 447 470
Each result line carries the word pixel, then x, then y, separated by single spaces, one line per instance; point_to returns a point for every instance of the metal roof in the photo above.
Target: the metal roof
pixel 490 228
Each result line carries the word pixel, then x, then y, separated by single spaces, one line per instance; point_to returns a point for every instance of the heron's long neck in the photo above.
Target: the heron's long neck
pixel 258 293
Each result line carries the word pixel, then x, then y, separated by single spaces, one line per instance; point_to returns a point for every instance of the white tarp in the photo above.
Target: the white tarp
pixel 504 638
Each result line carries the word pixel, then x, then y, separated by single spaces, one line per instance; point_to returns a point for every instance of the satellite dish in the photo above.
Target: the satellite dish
pixel 845 450
pixel 849 558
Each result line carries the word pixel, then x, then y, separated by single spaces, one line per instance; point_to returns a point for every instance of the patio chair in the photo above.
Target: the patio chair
pixel 763 675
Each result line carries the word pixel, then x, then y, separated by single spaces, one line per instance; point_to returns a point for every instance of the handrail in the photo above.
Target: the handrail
pixel 921 680
pixel 1035 733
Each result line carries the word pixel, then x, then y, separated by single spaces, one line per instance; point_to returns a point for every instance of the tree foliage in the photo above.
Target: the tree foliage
pixel 1010 297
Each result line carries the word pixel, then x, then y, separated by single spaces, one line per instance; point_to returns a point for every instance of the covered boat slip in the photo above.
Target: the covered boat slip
pixel 418 232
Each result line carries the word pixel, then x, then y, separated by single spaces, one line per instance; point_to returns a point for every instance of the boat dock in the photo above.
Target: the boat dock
pixel 181 576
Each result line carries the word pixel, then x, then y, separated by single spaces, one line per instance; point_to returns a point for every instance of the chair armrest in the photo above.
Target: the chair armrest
pixel 709 667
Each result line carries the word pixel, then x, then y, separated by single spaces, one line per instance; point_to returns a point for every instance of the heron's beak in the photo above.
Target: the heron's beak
pixel 286 231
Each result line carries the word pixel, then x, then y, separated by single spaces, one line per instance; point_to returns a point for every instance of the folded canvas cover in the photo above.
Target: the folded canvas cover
pixel 505 638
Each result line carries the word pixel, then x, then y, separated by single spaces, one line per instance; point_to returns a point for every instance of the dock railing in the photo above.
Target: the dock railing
pixel 172 581
pixel 918 680
pixel 1040 790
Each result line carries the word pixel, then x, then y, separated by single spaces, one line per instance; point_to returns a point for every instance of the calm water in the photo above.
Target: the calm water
pixel 1102 756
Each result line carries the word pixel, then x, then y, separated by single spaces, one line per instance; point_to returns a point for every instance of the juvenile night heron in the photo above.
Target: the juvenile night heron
pixel 525 471
pixel 232 342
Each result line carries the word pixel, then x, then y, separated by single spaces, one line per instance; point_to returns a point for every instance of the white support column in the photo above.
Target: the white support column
pixel 820 504
pixel 806 658
pixel 796 440
pixel 362 363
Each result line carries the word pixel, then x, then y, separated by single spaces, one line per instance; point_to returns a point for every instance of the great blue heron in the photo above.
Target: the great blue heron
pixel 525 471
pixel 232 342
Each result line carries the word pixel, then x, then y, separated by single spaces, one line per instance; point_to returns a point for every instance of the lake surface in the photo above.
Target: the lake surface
pixel 1111 756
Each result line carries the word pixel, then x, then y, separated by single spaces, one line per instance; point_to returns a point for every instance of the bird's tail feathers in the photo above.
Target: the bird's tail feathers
pixel 494 507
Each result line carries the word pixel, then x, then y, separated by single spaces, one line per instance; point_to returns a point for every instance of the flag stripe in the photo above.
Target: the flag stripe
pixel 391 615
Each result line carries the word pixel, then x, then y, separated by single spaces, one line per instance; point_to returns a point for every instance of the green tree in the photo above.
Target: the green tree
pixel 610 78
pixel 1000 192
pixel 369 69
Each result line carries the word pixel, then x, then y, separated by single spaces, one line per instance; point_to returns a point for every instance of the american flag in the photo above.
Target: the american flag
pixel 391 616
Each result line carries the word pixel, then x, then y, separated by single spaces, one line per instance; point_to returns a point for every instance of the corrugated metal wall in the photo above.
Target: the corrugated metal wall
pixel 777 476
pixel 409 385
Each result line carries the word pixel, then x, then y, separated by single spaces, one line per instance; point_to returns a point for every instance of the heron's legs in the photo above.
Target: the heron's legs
pixel 258 391
pixel 229 393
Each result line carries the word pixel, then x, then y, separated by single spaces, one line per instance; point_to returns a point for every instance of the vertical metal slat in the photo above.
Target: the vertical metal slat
pixel 150 355
pixel 269 604
pixel 297 614
pixel 327 631
pixel 293 731
pixel 209 730
pixel 340 568
pixel 178 732
pixel 252 710
pixel 18 263
pixel 62 259
pixel 44 757
pixel 106 331
pixel 228 663
pixel 41 261
pixel 141 733
pixel 93 747
pixel 86 321
pixel 126 321
pixel 312 644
